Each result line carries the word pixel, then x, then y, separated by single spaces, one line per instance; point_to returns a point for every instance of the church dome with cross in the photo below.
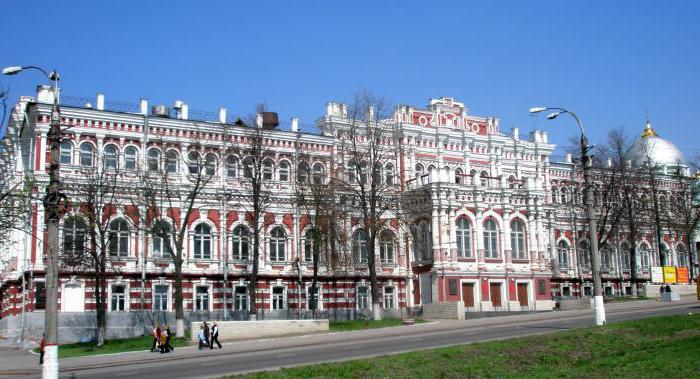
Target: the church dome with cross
pixel 650 148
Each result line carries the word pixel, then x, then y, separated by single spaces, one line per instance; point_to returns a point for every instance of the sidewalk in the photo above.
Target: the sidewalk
pixel 18 362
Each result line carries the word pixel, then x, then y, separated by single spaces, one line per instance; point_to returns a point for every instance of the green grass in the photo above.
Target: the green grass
pixel 663 347
pixel 114 346
pixel 346 326
pixel 620 299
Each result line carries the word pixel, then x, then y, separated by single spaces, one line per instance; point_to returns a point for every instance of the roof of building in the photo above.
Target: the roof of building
pixel 650 145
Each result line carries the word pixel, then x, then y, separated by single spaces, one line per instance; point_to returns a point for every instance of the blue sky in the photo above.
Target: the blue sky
pixel 609 61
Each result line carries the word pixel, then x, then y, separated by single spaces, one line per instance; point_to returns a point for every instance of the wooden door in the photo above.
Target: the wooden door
pixel 468 294
pixel 495 292
pixel 522 294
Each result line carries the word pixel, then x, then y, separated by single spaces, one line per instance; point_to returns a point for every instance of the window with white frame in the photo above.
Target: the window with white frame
pixel 130 158
pixel 491 238
pixel 239 243
pixel 359 246
pixel 202 241
pixel 313 301
pixel 161 233
pixel 231 166
pixel 563 254
pixel 464 238
pixel 389 174
pixel 66 153
pixel 644 256
pixel 74 237
pixel 625 256
pixel 386 247
pixel 377 174
pixel 682 256
pixel 419 170
pixel 319 173
pixel 240 298
pixel 459 176
pixel 210 163
pixel 422 244
pixel 153 160
pixel 118 238
pixel 352 172
pixel 160 297
pixel 248 167
pixel 517 239
pixel 87 152
pixel 309 245
pixel 268 169
pixel 303 172
pixel 193 163
pixel 278 298
pixel 283 171
pixel 606 258
pixel 584 258
pixel 201 300
pixel 110 157
pixel 118 298
pixel 171 158
pixel 362 297
pixel 389 298
pixel 278 240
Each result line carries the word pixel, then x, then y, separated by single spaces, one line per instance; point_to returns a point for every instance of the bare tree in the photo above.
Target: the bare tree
pixel 367 145
pixel 167 202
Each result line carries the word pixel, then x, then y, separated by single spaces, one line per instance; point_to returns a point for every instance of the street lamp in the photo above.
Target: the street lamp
pixel 590 212
pixel 51 200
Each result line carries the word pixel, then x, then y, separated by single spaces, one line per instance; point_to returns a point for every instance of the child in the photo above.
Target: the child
pixel 200 336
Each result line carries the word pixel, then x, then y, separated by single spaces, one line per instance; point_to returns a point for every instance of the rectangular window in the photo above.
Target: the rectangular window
pixel 160 246
pixel 160 298
pixel 240 298
pixel 278 298
pixel 587 291
pixel 118 300
pixel 388 297
pixel 201 299
pixel 362 297
pixel 39 295
pixel 313 298
pixel 566 291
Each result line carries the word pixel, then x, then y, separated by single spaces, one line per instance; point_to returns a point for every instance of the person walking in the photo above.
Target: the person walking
pixel 156 336
pixel 168 346
pixel 214 336
pixel 200 337
pixel 206 333
pixel 163 341
pixel 42 347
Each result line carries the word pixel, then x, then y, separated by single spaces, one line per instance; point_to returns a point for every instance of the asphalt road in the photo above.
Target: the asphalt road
pixel 308 351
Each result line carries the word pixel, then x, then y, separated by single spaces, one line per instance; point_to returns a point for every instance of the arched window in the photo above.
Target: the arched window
pixel 363 172
pixel 86 154
pixel 110 157
pixel 511 182
pixel 161 233
pixel 130 158
pixel 517 239
pixel 464 237
pixel 118 238
pixel 359 246
pixel 491 238
pixel 682 256
pixel 193 163
pixel 459 176
pixel 267 169
pixel 319 173
pixel 419 170
pixel 606 262
pixel 283 171
pixel 74 238
pixel 309 245
pixel 303 172
pixel 210 163
pixel 66 154
pixel 644 256
pixel 202 241
pixel 278 240
pixel 153 160
pixel 576 198
pixel 248 167
pixel 386 247
pixel 625 256
pixel 555 195
pixel 239 243
pixel 484 179
pixel 377 174
pixel 171 158
pixel 431 168
pixel 472 177
pixel 564 195
pixel 422 242
pixel 563 254
pixel 389 174
pixel 231 166
pixel 584 253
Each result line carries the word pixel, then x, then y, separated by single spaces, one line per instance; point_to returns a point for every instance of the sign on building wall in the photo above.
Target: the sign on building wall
pixel 669 274
pixel 657 274
pixel 682 274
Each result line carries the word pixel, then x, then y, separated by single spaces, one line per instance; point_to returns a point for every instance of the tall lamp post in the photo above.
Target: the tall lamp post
pixel 586 161
pixel 50 366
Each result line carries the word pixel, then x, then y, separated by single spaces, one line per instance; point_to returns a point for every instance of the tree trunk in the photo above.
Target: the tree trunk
pixel 179 309
pixel 376 301
pixel 254 272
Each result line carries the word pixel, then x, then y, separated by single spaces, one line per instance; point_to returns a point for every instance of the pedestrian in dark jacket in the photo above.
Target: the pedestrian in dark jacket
pixel 214 336
pixel 206 333
pixel 168 346
pixel 42 347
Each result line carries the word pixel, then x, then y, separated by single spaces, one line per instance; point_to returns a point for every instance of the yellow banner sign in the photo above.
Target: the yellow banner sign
pixel 669 274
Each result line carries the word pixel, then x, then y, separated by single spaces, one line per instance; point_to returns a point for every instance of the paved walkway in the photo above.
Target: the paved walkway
pixel 14 362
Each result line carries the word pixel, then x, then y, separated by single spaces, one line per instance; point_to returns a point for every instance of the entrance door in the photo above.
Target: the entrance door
pixel 426 288
pixel 468 294
pixel 522 294
pixel 495 292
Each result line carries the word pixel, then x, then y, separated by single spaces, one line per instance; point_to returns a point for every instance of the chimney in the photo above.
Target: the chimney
pixel 222 115
pixel 516 133
pixel 259 120
pixel 295 124
pixel 181 109
pixel 100 102
pixel 544 137
pixel 44 94
pixel 609 162
pixel 569 158
pixel 144 107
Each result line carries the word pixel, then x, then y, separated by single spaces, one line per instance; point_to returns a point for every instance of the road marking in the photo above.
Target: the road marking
pixel 286 355
pixel 210 364
pixel 129 373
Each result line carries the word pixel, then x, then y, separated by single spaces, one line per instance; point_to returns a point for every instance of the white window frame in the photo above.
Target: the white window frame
pixel 276 244
pixel 283 170
pixel 517 239
pixel 237 242
pixel 195 298
pixel 123 239
pixel 128 163
pixel 319 302
pixel 491 250
pixel 274 297
pixel 236 301
pixel 203 238
pixel 367 299
pixel 66 153
pixel 168 299
pixel 464 237
pixel 392 298
pixel 126 296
